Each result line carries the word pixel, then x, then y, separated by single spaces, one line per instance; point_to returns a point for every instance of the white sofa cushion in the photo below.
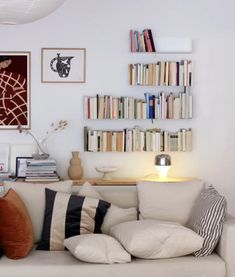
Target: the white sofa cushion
pixel 33 196
pixel 168 201
pixel 152 239
pixel 114 214
pixel 89 191
pixel 97 248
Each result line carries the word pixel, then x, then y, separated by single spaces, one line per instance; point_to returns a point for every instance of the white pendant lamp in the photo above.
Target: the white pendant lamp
pixel 24 11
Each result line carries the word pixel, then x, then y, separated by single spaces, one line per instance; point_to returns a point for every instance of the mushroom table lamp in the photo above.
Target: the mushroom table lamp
pixel 163 164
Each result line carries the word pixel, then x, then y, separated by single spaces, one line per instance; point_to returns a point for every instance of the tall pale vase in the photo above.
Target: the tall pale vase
pixel 75 170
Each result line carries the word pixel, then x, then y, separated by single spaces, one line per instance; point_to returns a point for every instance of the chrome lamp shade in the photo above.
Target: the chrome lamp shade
pixel 163 160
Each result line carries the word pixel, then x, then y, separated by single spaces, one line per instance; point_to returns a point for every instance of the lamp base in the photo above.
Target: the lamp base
pixel 162 171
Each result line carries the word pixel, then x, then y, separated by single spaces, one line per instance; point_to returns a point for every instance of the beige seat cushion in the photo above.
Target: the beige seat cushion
pixel 168 201
pixel 33 196
pixel 62 263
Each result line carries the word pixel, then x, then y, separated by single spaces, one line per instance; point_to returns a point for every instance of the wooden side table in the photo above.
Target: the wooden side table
pixel 128 181
pixel 112 182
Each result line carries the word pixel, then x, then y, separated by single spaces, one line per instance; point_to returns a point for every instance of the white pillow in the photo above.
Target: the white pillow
pixel 87 190
pixel 152 239
pixel 168 201
pixel 33 196
pixel 114 215
pixel 97 248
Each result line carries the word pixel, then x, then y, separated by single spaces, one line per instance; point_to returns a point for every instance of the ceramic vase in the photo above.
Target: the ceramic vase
pixel 75 170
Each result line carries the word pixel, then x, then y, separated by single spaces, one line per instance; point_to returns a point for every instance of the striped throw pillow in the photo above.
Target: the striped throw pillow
pixel 207 219
pixel 68 215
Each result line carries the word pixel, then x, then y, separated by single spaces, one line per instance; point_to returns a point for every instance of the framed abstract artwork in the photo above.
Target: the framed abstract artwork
pixel 63 65
pixel 14 90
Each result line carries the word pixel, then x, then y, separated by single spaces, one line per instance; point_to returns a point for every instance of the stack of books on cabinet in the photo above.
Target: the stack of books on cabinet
pixel 154 106
pixel 163 73
pixel 41 171
pixel 136 139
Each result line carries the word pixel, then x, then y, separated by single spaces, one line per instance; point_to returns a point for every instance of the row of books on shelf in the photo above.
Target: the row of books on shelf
pixel 136 139
pixel 41 170
pixel 154 106
pixel 163 73
pixel 142 41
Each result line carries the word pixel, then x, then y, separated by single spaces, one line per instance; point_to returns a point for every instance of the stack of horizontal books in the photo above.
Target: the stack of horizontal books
pixel 41 171
pixel 6 176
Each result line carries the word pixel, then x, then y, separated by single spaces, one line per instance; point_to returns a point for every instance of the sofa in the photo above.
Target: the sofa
pixel 62 264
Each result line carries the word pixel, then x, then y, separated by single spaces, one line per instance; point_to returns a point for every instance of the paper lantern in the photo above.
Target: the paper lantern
pixel 24 11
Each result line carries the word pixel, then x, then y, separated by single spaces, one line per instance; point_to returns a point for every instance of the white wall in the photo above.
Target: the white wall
pixel 102 27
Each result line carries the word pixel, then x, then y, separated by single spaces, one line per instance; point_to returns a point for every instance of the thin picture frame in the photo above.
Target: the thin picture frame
pixel 21 166
pixel 63 65
pixel 15 79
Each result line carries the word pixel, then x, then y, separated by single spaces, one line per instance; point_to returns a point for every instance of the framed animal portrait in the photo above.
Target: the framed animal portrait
pixel 63 65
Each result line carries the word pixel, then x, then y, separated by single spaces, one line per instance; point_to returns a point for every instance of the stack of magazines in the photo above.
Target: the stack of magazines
pixel 6 176
pixel 41 171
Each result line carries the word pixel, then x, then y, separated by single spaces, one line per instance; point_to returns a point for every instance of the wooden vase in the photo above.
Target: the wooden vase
pixel 75 170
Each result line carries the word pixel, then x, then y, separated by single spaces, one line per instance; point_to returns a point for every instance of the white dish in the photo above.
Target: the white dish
pixel 106 170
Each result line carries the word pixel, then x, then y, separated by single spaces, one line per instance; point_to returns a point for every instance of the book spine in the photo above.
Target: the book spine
pixel 188 140
pixel 85 138
pixel 133 41
pixel 151 106
pixel 147 41
pixel 190 114
pixel 151 41
pixel 183 131
pixel 85 107
pixel 137 41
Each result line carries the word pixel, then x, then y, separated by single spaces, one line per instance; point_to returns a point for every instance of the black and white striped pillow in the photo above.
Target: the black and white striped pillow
pixel 207 219
pixel 68 215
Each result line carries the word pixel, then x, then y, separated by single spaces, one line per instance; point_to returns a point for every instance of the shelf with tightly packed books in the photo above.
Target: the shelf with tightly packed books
pixel 162 73
pixel 162 105
pixel 137 140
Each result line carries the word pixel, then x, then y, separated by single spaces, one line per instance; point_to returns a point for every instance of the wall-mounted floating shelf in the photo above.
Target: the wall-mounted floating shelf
pixel 137 140
pixel 173 45
pixel 146 42
pixel 153 106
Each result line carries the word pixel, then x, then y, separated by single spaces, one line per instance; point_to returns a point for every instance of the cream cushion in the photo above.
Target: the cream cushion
pixel 97 248
pixel 152 239
pixel 89 191
pixel 33 195
pixel 168 201
pixel 114 214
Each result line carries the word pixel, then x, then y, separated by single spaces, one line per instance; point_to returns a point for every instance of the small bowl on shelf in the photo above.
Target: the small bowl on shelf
pixel 106 170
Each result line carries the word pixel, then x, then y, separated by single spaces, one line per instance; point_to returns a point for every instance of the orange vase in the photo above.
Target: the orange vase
pixel 75 170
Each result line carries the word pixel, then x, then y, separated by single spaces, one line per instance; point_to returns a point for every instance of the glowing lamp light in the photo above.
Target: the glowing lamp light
pixel 25 11
pixel 163 164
